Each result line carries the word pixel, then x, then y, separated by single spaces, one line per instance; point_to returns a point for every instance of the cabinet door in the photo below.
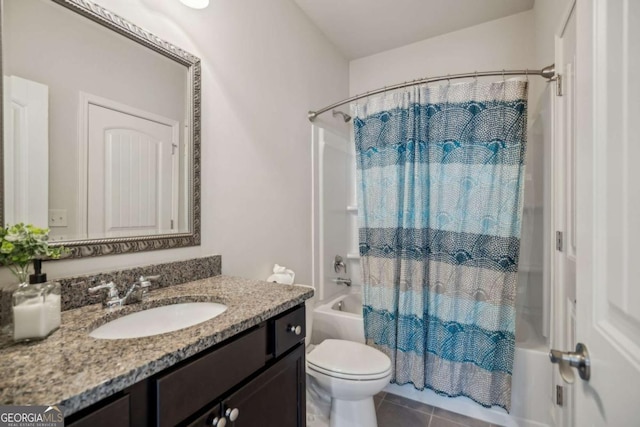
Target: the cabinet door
pixel 276 398
pixel 188 388
pixel 115 413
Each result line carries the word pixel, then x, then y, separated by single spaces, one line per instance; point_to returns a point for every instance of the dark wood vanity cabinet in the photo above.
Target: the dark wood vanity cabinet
pixel 276 397
pixel 256 378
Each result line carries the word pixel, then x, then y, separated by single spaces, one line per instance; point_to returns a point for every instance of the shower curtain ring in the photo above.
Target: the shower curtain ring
pixel 526 73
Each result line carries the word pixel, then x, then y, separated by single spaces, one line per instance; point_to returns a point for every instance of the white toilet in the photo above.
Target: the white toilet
pixel 351 374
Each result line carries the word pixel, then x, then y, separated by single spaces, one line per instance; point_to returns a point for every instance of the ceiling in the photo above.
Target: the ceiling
pixel 364 27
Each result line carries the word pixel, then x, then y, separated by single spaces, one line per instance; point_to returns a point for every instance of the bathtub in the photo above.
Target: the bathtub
pixel 341 318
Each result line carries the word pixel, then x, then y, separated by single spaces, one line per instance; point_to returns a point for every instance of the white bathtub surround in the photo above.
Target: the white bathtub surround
pixel 335 228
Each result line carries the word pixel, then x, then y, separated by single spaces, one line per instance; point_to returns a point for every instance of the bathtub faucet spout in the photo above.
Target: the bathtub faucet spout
pixel 342 281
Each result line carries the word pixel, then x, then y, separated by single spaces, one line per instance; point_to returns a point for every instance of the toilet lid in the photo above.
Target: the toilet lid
pixel 348 357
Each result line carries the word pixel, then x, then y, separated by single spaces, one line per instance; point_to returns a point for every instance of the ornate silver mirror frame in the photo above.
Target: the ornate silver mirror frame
pixel 112 246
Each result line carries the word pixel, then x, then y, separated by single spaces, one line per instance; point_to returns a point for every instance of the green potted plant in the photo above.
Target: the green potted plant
pixel 37 305
pixel 21 244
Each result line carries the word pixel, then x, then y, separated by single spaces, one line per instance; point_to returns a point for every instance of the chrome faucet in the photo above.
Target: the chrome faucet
pixel 112 299
pixel 136 293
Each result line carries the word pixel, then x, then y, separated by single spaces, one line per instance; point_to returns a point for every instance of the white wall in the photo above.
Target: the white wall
pixel 506 43
pixel 548 16
pixel 264 65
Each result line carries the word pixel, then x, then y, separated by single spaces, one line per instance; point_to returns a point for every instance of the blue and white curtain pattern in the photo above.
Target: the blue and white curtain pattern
pixel 440 184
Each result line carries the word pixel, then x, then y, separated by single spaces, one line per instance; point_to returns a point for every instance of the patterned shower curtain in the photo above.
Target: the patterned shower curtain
pixel 440 184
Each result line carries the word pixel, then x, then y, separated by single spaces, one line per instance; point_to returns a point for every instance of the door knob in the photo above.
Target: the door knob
pixel 578 359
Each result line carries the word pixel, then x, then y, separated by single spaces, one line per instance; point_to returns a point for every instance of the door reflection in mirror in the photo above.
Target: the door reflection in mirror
pixel 26 151
pixel 133 172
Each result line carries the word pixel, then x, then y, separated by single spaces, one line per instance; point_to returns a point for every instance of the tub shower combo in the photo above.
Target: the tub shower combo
pixel 431 218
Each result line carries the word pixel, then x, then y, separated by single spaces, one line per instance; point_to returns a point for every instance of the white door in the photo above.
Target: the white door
pixel 26 151
pixel 608 210
pixel 564 191
pixel 131 166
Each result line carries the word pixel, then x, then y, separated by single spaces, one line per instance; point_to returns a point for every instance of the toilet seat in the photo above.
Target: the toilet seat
pixel 333 374
pixel 348 360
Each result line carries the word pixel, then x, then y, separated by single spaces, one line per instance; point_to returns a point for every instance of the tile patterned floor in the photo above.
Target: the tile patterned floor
pixel 396 411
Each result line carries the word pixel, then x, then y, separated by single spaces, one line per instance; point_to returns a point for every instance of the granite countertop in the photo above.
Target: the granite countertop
pixel 74 370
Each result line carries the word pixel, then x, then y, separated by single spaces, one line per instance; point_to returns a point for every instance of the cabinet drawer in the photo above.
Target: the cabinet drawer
pixel 285 337
pixel 189 388
pixel 112 414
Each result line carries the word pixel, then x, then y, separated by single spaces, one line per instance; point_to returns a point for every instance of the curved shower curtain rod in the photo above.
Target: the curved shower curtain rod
pixel 548 72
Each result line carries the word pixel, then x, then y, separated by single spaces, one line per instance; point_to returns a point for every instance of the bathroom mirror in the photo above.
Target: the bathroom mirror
pixel 101 130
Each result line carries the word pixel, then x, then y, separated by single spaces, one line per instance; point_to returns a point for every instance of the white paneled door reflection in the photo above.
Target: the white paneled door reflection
pixel 132 175
pixel 26 151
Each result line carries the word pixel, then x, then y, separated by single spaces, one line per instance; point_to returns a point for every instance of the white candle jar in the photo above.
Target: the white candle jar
pixel 36 311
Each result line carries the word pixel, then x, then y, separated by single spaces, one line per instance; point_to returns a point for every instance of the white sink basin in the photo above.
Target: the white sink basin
pixel 158 320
